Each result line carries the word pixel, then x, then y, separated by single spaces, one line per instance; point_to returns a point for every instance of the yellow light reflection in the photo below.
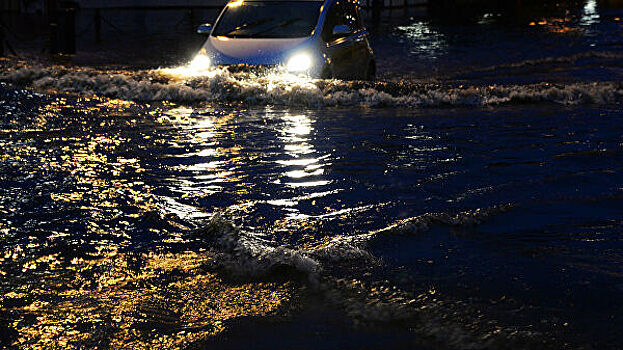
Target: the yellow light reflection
pixel 556 25
pixel 170 302
pixel 235 3
pixel 99 296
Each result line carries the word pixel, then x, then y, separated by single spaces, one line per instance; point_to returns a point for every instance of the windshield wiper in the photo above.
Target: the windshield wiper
pixel 281 25
pixel 249 25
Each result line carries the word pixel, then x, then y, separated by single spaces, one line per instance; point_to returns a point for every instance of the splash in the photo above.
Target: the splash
pixel 437 320
pixel 244 254
pixel 232 84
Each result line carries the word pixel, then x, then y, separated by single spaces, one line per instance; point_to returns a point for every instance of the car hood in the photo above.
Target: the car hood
pixel 250 51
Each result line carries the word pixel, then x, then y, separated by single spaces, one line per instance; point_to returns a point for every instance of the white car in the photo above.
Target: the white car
pixel 324 39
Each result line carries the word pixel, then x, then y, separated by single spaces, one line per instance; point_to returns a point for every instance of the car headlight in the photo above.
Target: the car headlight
pixel 299 63
pixel 200 62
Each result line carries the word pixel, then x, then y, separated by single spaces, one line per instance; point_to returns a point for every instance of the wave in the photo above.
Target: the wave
pixel 438 321
pixel 244 253
pixel 270 87
pixel 423 222
pixel 571 59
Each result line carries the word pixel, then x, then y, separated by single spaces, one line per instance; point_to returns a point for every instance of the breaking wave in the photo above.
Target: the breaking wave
pixel 243 253
pixel 270 87
pixel 438 321
pixel 423 222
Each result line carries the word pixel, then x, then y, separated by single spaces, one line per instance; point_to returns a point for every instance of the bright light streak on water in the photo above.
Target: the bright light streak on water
pixel 590 16
pixel 426 40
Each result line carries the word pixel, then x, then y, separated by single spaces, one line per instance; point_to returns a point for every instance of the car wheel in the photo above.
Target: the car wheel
pixel 371 71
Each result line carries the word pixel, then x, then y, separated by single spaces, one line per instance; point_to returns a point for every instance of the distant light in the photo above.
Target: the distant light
pixel 299 63
pixel 235 3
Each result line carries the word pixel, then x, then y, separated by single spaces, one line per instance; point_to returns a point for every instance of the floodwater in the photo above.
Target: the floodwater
pixel 469 199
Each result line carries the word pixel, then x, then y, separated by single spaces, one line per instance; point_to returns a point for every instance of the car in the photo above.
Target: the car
pixel 319 38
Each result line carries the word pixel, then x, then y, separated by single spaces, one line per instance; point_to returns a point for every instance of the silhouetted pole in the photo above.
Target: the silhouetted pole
pixel 61 17
pixel 1 40
pixel 67 27
pixel 51 10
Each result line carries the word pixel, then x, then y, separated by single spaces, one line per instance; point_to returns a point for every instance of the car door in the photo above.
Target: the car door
pixel 339 48
pixel 360 46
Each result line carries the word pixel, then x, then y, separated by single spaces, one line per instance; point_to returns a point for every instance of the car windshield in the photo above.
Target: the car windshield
pixel 269 19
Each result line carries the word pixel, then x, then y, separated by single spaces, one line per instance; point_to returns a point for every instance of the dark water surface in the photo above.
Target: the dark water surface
pixel 470 199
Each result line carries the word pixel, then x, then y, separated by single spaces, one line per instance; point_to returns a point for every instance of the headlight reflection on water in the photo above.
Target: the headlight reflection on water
pixel 590 15
pixel 304 166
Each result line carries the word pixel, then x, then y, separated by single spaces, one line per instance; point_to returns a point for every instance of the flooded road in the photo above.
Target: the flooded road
pixel 463 201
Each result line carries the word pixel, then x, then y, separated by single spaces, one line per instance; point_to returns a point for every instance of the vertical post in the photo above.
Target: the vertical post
pixel 67 27
pixel 69 30
pixel 51 10
pixel 1 38
pixel 98 25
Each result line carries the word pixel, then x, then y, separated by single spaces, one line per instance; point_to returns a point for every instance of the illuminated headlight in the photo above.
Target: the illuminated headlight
pixel 200 62
pixel 299 63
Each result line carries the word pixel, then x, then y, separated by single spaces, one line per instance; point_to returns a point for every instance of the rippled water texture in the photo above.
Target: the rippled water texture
pixel 463 201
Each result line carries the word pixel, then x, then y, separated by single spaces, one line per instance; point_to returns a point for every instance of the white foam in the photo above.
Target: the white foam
pixel 241 254
pixel 283 89
pixel 437 320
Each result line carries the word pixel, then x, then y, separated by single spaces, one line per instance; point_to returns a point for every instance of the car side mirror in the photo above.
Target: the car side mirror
pixel 341 30
pixel 204 29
